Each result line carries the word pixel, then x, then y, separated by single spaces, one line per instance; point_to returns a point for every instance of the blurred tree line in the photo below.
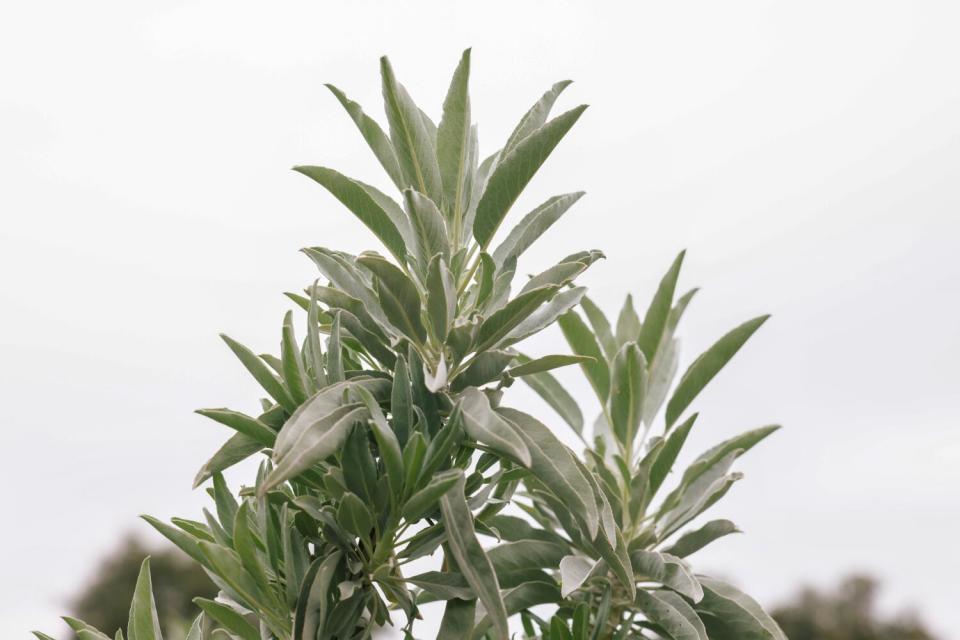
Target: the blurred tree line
pixel 845 613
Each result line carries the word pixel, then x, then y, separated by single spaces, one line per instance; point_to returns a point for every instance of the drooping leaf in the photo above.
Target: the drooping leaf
pixel 484 425
pixel 668 570
pixel 238 447
pixel 574 571
pixel 515 170
pixel 707 365
pixel 471 558
pixel 736 616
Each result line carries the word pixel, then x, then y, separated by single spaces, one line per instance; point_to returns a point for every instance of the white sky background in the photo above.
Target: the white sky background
pixel 806 154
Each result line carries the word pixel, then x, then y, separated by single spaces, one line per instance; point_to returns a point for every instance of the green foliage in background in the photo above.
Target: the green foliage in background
pixel 385 437
pixel 846 613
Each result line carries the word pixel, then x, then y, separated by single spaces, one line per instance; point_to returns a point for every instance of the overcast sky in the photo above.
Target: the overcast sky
pixel 806 154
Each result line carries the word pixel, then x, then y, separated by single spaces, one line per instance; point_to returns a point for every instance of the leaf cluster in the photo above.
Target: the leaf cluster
pixel 384 437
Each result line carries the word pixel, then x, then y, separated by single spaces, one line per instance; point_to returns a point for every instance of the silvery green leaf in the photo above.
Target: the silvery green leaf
pixel 546 315
pixel 457 621
pixel 553 393
pixel 558 275
pixel 693 541
pixel 229 618
pixel 446 585
pixel 453 141
pixel 270 382
pixel 398 296
pixel 555 465
pixel 627 392
pixel 313 603
pixel 668 570
pixel 707 365
pixel 672 614
pixel 471 558
pixel 532 226
pixel 242 423
pixel 545 363
pixel 534 118
pixel 144 624
pixel 514 171
pixel 436 380
pixel 379 142
pixel 584 343
pixel 412 139
pixel 628 323
pixel 237 448
pixel 502 322
pixel 484 425
pixel 655 320
pixel 574 571
pixel 429 228
pixel 735 615
pixel 358 200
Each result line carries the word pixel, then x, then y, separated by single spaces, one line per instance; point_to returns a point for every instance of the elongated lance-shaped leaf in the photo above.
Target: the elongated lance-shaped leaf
pixel 502 322
pixel 555 466
pixel 533 225
pixel 358 200
pixel 237 448
pixel 536 116
pixel 668 570
pixel 627 392
pixel 553 393
pixel 398 296
pixel 267 379
pixel 411 137
pixel 545 363
pixel 545 316
pixel 707 365
pixel 334 351
pixel 314 601
pixel 672 614
pixel 386 441
pixel 584 343
pixel 628 322
pixel 324 438
pixel 471 558
pixel 693 541
pixel 457 621
pixel 228 618
pixel 429 228
pixel 143 624
pixel 484 425
pixel 423 502
pixel 441 297
pixel 453 141
pixel 515 170
pixel 735 615
pixel 655 320
pixel 294 374
pixel 601 327
pixel 663 463
pixel 242 423
pixel 379 142
pixel 84 630
pixel 401 401
pixel 315 364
